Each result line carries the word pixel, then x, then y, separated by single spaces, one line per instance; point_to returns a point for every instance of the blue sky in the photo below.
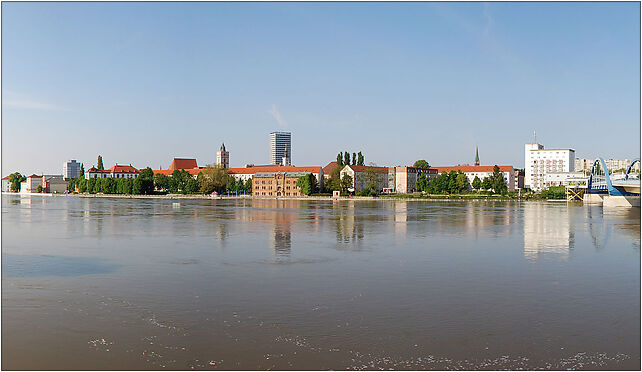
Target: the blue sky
pixel 141 83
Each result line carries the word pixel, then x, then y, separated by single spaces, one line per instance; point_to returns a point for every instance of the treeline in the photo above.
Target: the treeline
pixel 343 158
pixel 207 181
pixel 456 182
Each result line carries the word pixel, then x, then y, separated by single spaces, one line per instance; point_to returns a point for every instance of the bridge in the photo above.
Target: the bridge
pixel 619 189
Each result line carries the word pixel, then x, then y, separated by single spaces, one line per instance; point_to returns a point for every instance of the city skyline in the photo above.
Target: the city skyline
pixel 144 83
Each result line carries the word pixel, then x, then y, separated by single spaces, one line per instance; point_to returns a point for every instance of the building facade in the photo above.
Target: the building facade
pixel 248 172
pixel 564 179
pixel 223 157
pixel 280 147
pixel 54 184
pixel 71 170
pixel 613 165
pixel 363 175
pixel 403 180
pixel 483 171
pixel 31 183
pixel 277 183
pixel 538 162
pixel 117 171
pixel 6 185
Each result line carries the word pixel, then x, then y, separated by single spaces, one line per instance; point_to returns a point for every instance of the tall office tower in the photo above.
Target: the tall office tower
pixel 71 169
pixel 280 147
pixel 223 157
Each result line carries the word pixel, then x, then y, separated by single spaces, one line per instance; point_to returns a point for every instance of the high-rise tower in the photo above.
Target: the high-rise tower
pixel 280 147
pixel 223 157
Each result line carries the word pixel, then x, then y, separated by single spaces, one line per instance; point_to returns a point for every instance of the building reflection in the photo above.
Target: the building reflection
pixel 547 231
pixel 281 214
pixel 348 229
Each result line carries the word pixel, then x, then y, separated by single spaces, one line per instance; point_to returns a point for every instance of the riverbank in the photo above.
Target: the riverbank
pixel 407 197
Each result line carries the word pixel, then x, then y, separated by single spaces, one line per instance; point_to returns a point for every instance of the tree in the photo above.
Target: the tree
pixel 462 182
pixel 360 159
pixel 214 179
pixel 308 184
pixel 82 170
pixel 137 187
pixel 477 184
pixel 14 180
pixel 91 185
pixel 340 159
pixel 452 182
pixel 354 158
pixel 100 162
pixel 346 158
pixel 346 183
pixel 422 182
pixel 192 186
pixel 161 181
pixel 498 182
pixel 248 186
pixel 487 183
pixel 421 164
pixel 144 183
pixel 39 188
pixel 371 178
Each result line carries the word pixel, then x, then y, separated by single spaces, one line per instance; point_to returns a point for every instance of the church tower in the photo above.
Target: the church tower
pixel 476 156
pixel 223 157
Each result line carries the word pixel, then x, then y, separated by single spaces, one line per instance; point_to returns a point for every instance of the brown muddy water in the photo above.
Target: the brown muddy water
pixel 290 284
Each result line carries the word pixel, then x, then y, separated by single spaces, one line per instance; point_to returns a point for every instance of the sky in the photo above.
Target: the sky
pixel 142 83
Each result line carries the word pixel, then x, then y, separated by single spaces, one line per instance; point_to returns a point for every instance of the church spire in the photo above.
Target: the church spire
pixel 476 155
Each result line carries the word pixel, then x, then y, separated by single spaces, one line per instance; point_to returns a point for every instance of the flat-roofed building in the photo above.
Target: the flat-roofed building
pixel 482 171
pixel 55 184
pixel 71 170
pixel 403 179
pixel 248 172
pixel 280 148
pixel 538 162
pixel 277 183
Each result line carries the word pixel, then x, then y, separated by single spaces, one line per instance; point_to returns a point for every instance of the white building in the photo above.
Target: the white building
pixel 31 184
pixel 584 165
pixel 71 169
pixel 361 176
pixel 280 147
pixel 403 180
pixel 6 185
pixel 117 171
pixel 564 179
pixel 538 162
pixel 223 157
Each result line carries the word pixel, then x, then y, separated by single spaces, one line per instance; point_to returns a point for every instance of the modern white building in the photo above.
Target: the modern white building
pixel 71 169
pixel 538 162
pixel 564 179
pixel 223 157
pixel 280 147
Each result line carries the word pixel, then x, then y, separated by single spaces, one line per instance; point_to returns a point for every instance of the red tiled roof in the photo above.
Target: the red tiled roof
pixel 6 178
pixel 330 167
pixel 364 168
pixel 179 163
pixel 474 168
pixel 168 172
pixel 273 168
pixel 122 169
pixel 33 175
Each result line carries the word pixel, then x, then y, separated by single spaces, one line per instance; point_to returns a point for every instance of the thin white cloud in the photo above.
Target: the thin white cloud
pixel 32 105
pixel 277 116
pixel 489 20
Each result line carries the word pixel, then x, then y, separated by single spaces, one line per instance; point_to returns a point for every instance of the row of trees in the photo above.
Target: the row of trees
pixel 343 158
pixel 14 181
pixel 207 181
pixel 455 182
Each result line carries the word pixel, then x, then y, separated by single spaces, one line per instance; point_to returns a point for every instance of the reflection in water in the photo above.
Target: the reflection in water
pixel 348 228
pixel 547 230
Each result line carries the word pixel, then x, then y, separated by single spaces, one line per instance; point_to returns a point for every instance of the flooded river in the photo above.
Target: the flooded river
pixel 289 284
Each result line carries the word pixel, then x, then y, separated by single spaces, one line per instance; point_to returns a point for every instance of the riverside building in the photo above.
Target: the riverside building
pixel 539 162
pixel 117 171
pixel 223 157
pixel 280 148
pixel 70 170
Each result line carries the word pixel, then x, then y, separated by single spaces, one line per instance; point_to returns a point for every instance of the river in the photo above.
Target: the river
pixel 92 283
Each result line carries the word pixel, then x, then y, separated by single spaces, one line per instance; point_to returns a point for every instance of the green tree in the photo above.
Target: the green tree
pixel 82 185
pixel 100 162
pixel 308 184
pixel 144 183
pixel 346 158
pixel 248 186
pixel 137 187
pixel 340 159
pixel 498 182
pixel 346 183
pixel 487 183
pixel 192 186
pixel 422 182
pixel 360 159
pixel 14 180
pixel 421 164
pixel 214 179
pixel 354 158
pixel 462 182
pixel 161 181
pixel 371 179
pixel 39 189
pixel 477 184
pixel 82 170
pixel 90 185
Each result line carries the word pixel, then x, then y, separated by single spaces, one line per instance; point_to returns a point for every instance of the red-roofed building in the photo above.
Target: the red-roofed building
pixel 117 171
pixel 248 172
pixel 188 165
pixel 482 171
pixel 329 168
pixel 362 175
pixel 6 185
